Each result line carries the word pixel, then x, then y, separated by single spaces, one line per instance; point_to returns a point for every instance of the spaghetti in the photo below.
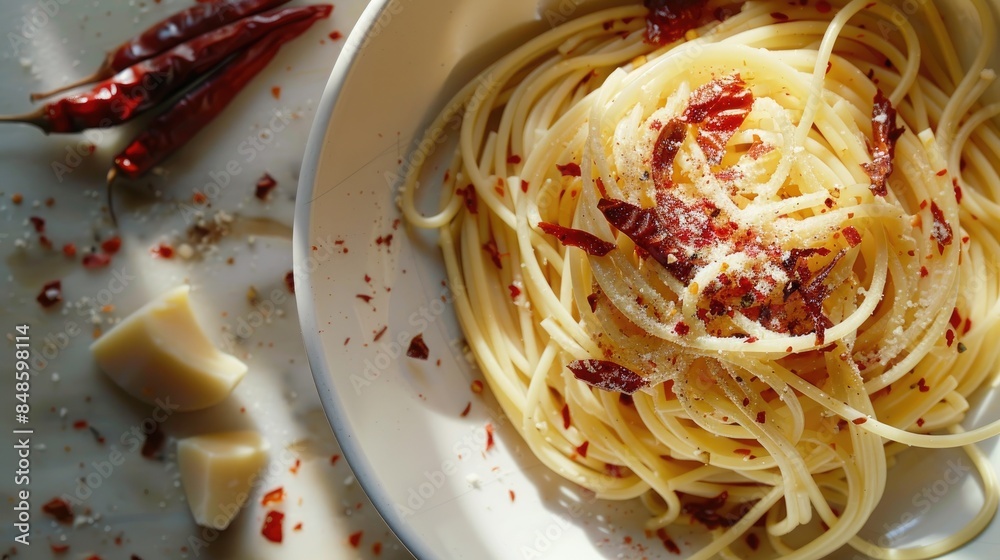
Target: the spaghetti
pixel 733 259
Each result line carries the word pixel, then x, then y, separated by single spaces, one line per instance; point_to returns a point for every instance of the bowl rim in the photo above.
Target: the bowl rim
pixel 301 229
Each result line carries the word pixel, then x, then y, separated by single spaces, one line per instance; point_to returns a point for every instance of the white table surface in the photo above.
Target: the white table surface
pixel 137 507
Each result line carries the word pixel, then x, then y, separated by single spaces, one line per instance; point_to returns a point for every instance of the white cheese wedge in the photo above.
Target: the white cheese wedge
pixel 218 472
pixel 160 354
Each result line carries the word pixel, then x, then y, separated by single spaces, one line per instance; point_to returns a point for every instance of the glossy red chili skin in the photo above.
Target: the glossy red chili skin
pixel 148 83
pixel 184 26
pixel 175 127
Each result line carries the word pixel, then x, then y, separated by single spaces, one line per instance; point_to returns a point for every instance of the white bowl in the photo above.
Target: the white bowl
pixel 399 420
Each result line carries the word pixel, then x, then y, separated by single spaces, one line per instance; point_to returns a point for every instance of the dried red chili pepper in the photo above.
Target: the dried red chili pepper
pixel 141 86
pixel 173 128
pixel 168 33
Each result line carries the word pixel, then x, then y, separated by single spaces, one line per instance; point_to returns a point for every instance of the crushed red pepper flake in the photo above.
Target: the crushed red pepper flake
pixel 377 548
pixel 668 542
pixel 859 421
pixel 852 236
pixel 513 159
pixel 418 348
pixel 570 169
pixel 272 528
pixel 69 250
pixel 466 410
pixel 761 417
pixel 567 420
pixel 58 548
pixel 753 541
pixel 37 223
pixel 582 449
pixel 264 186
pixel 491 249
pixel 524 186
pixel 58 509
pixel 477 386
pixel 512 495
pixel 162 251
pixel 607 375
pixel 273 497
pixel 51 294
pixel 885 133
pixel 364 297
pixel 290 281
pixel 111 245
pixel 668 20
pixel 779 16
pixel 950 337
pixel 514 291
pixel 941 231
pixel 334 458
pixel 153 443
pixel 570 237
pixel 96 260
pixel 471 202
pixel 489 436
pixel 355 538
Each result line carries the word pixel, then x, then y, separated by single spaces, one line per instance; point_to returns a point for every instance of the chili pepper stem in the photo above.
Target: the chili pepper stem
pixel 112 175
pixel 102 73
pixel 36 117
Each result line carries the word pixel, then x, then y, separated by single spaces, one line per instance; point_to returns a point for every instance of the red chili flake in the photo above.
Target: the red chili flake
pixel 958 191
pixel 570 237
pixel 668 542
pixel 950 337
pixel 384 240
pixel 59 509
pixel 823 6
pixel 296 466
pixel 466 410
pixel 198 198
pixel 290 281
pixel 471 202
pixel 592 299
pixel 154 442
pixel 744 452
pixel 608 376
pixel 753 541
pixel 761 417
pixel 58 548
pixel 96 260
pixel 941 231
pixel 720 107
pixel 355 539
pixel 162 251
pixel 668 20
pixel 38 223
pixel 852 236
pixel 491 249
pixel 570 169
pixel 779 16
pixel 418 348
pixel 264 186
pixel 924 272
pixel 273 497
pixel 681 328
pixel 512 495
pixel 80 425
pixel 956 319
pixel 859 421
pixel 334 35
pixel 566 417
pixel 885 133
pixel 272 529
pixel 513 159
pixel 377 548
pixel 364 297
pixel 614 471
pixel 276 92
pixel 51 294
pixel 582 449
pixel 297 527
pixel 334 458
pixel 920 422
pixel 668 143
pixel 524 186
pixel 111 245
pixel 45 242
pixel 69 250
pixel 379 334
pixel 476 387
pixel 514 291
pixel 489 436
pixel 967 327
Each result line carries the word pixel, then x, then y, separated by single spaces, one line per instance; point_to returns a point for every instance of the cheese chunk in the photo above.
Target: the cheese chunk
pixel 160 354
pixel 218 471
